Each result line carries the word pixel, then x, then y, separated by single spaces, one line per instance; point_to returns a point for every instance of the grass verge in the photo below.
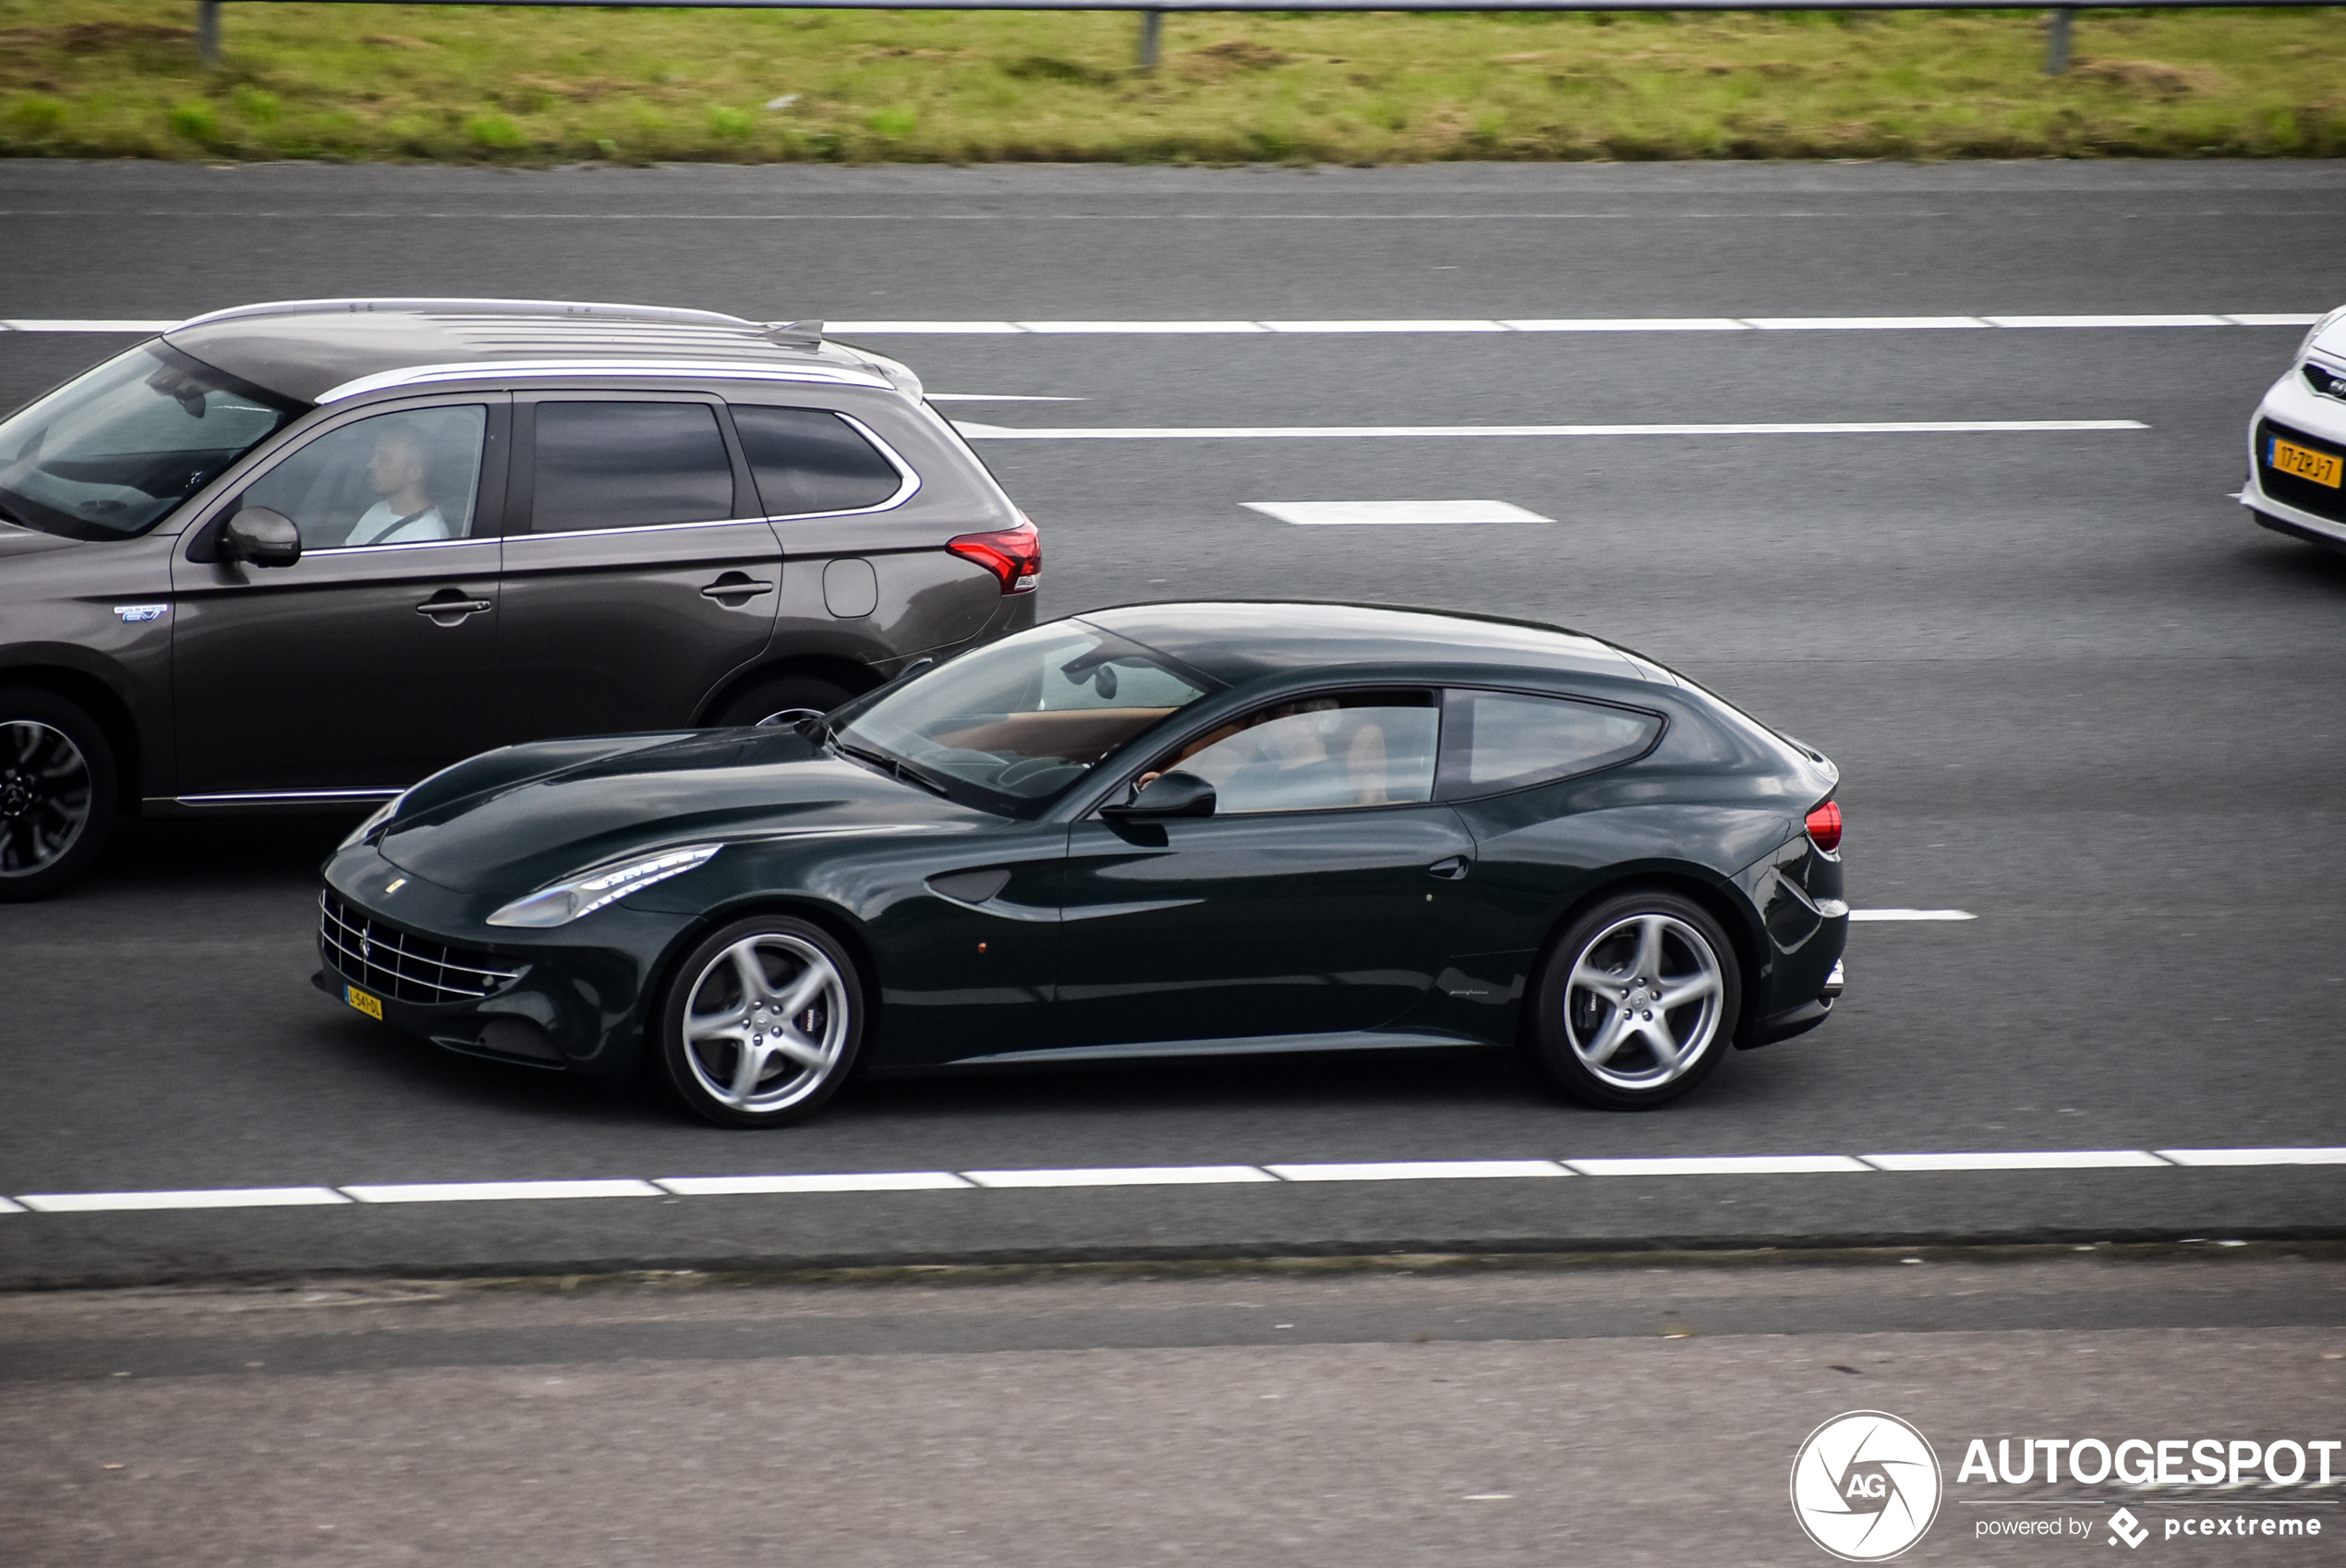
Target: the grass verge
pixel 485 85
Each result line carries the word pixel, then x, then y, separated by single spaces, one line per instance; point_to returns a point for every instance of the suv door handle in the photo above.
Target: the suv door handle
pixel 734 589
pixel 450 607
pixel 1450 868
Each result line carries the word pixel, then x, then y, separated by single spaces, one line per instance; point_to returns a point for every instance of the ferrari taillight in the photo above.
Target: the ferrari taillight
pixel 1824 826
pixel 1013 555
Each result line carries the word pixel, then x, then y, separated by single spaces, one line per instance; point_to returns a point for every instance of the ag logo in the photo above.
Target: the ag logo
pixel 1865 1485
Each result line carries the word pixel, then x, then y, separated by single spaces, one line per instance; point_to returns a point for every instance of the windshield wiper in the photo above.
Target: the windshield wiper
pixel 896 767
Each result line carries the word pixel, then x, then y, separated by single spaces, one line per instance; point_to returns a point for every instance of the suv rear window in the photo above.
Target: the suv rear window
pixel 1494 741
pixel 628 466
pixel 807 460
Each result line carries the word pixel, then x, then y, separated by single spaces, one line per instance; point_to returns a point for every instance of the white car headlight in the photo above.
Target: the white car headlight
pixel 2306 345
pixel 583 895
pixel 375 819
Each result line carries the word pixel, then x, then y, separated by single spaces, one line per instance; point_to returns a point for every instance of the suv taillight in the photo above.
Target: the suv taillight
pixel 1824 826
pixel 1014 555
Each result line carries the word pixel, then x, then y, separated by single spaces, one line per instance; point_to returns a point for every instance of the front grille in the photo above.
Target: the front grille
pixel 2304 494
pixel 401 965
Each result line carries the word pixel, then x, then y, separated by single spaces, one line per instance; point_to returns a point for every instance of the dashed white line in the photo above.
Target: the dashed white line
pixel 1124 1176
pixel 2254 1156
pixel 1369 432
pixel 1912 914
pixel 1420 1170
pixel 498 1191
pixel 2021 1160
pixel 1719 1164
pixel 199 1197
pixel 1392 513
pixel 841 1181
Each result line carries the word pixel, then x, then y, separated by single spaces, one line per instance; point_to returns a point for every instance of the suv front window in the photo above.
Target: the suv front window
pixel 108 453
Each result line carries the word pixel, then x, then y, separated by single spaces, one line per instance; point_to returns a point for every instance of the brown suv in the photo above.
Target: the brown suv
pixel 298 555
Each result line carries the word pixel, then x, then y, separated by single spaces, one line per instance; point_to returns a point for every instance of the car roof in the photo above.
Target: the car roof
pixel 1239 641
pixel 320 349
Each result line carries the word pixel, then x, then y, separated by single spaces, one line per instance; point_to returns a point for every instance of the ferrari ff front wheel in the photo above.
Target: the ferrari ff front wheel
pixel 762 1022
pixel 1638 1001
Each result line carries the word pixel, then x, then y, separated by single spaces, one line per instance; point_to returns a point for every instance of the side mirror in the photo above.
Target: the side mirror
pixel 1168 794
pixel 261 537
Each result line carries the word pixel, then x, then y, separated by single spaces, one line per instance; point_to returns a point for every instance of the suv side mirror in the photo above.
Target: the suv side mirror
pixel 1168 794
pixel 261 537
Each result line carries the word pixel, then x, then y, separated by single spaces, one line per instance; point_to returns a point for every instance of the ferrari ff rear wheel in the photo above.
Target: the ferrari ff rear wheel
pixel 1638 1001
pixel 56 793
pixel 762 1022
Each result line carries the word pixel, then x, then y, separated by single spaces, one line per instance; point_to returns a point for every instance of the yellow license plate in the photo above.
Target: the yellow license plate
pixel 2305 463
pixel 370 1005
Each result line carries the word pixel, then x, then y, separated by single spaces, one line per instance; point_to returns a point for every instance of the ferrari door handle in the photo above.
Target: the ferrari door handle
pixel 736 588
pixel 449 607
pixel 1450 868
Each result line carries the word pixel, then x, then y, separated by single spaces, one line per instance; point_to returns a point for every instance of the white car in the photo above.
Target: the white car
pixel 2297 443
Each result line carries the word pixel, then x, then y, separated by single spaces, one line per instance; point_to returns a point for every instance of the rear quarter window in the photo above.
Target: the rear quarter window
pixel 809 460
pixel 1496 740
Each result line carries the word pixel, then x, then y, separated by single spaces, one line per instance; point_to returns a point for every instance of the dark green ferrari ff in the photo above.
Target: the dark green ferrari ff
pixel 1167 829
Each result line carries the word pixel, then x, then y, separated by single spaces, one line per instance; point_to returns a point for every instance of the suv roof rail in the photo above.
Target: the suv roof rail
pixel 477 306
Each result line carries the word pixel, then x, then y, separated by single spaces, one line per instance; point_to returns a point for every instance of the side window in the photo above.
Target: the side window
pixel 1505 739
pixel 628 466
pixel 1320 754
pixel 806 460
pixel 392 479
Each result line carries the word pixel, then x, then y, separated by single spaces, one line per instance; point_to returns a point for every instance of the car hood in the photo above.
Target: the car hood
pixel 528 826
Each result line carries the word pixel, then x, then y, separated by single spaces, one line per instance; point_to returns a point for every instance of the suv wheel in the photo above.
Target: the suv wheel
pixel 57 793
pixel 782 699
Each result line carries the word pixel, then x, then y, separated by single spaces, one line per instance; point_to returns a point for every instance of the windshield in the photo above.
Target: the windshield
pixel 106 456
pixel 1024 719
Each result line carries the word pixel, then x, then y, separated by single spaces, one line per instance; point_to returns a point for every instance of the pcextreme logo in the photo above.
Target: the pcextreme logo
pixel 1865 1485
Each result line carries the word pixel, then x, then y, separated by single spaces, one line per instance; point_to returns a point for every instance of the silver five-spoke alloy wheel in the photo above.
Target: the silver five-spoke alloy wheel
pixel 769 1022
pixel 1643 1003
pixel 47 793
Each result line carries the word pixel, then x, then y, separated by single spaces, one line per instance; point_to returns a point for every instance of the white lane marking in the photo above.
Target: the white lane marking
pixel 1387 514
pixel 1511 324
pixel 1719 1164
pixel 2061 321
pixel 2021 1160
pixel 1124 1176
pixel 198 1198
pixel 496 1191
pixel 2254 1156
pixel 996 397
pixel 1180 1176
pixel 27 324
pixel 1418 1170
pixel 841 1181
pixel 7 1207
pixel 1365 432
pixel 1912 914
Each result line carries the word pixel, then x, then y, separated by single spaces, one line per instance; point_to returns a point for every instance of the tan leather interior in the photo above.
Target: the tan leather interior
pixel 1079 734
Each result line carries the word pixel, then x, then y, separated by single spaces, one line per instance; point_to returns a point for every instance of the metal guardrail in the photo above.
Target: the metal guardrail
pixel 1152 12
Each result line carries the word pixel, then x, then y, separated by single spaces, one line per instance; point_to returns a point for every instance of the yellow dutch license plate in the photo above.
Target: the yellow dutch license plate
pixel 2321 468
pixel 370 1005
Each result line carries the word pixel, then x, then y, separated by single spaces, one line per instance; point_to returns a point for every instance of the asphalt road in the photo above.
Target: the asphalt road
pixel 1570 1412
pixel 2071 689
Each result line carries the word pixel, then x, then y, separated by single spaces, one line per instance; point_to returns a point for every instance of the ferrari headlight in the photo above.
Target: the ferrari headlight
pixel 375 819
pixel 566 902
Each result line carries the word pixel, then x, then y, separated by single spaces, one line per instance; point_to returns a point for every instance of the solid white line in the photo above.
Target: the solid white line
pixel 1389 513
pixel 843 1181
pixel 1124 1176
pixel 2255 1156
pixel 1418 1170
pixel 1363 432
pixel 1721 1165
pixel 1369 325
pixel 485 1192
pixel 1912 914
pixel 198 1198
pixel 2023 1159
